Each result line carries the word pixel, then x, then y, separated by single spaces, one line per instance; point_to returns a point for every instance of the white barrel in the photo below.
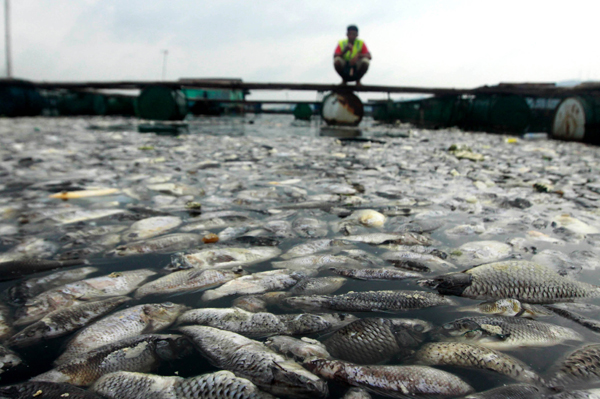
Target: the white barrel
pixel 342 109
pixel 570 119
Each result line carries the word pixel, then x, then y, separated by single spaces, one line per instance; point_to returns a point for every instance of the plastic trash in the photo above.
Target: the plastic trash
pixel 535 136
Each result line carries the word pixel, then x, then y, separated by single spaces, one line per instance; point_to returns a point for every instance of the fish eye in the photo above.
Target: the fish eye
pixel 448 326
pixel 419 328
pixel 168 304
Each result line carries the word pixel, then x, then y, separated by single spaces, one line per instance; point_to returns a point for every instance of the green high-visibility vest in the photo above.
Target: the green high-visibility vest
pixel 358 45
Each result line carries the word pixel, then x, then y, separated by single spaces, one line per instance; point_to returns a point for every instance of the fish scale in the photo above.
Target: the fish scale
pixel 471 356
pixel 580 366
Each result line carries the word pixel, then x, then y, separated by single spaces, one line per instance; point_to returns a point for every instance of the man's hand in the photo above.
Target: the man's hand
pixel 354 60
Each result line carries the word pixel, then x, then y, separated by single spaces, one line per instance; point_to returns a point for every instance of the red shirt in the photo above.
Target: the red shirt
pixel 338 50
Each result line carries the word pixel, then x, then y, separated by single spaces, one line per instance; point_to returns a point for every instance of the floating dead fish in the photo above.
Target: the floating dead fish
pixel 187 280
pixel 318 286
pixel 375 274
pixel 514 391
pixel 85 215
pixel 370 301
pixel 8 359
pixel 385 238
pixel 416 261
pixel 310 227
pixel 471 356
pixel 151 227
pixel 255 361
pixel 297 349
pixel 167 243
pixel 507 307
pixel 127 323
pixel 64 321
pixel 312 247
pixel 522 280
pixel 393 381
pixel 581 365
pixel 257 283
pixel 479 252
pixel 223 258
pixel 501 332
pixel 263 324
pixel 141 354
pixel 222 384
pixel 314 262
pixel 592 324
pixel 356 393
pixel 374 340
pixel 114 284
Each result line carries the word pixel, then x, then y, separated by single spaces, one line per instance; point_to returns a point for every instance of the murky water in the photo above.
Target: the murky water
pixel 267 165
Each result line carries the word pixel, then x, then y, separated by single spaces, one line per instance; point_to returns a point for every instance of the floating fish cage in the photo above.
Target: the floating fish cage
pixel 20 98
pixel 161 103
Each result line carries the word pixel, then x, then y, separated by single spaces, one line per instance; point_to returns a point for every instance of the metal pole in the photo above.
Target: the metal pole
pixel 7 38
pixel 164 71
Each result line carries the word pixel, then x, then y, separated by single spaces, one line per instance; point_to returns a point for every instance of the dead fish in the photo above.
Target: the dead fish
pixel 45 390
pixel 471 356
pixel 518 279
pixel 514 391
pixel 479 252
pixel 31 247
pixel 8 359
pixel 255 361
pixel 150 227
pixel 592 324
pixel 64 321
pixel 370 301
pixel 314 262
pixel 582 365
pixel 26 289
pixel 167 243
pixel 259 303
pixel 375 274
pixel 393 381
pixel 223 258
pixel 82 215
pixel 142 353
pixel 367 218
pixel 416 261
pixel 501 332
pixel 387 238
pixel 374 340
pixel 315 246
pixel 187 280
pixel 114 284
pixel 222 384
pixel 318 286
pixel 127 323
pixel 507 307
pixel 21 267
pixel 356 393
pixel 309 227
pixel 257 283
pixel 297 349
pixel 263 324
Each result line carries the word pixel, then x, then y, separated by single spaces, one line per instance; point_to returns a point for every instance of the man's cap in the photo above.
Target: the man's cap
pixel 353 27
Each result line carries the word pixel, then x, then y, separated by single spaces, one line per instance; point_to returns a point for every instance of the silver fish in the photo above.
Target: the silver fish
pixel 256 362
pixel 130 322
pixel 264 324
pixel 142 354
pixel 375 273
pixel 582 365
pixel 370 301
pixel 150 227
pixel 501 332
pixel 314 262
pixel 388 238
pixel 309 227
pixel 356 393
pixel 82 215
pixel 224 258
pixel 259 303
pixel 374 340
pixel 393 381
pixel 257 283
pixel 187 280
pixel 21 267
pixel 592 324
pixel 162 244
pixel 45 390
pixel 312 247
pixel 417 261
pixel 114 284
pixel 318 285
pixel 522 280
pixel 65 321
pixel 472 356
pixel 507 307
pixel 222 384
pixel 26 289
pixel 297 349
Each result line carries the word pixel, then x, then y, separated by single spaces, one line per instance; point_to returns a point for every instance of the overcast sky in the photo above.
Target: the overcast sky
pixel 435 43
